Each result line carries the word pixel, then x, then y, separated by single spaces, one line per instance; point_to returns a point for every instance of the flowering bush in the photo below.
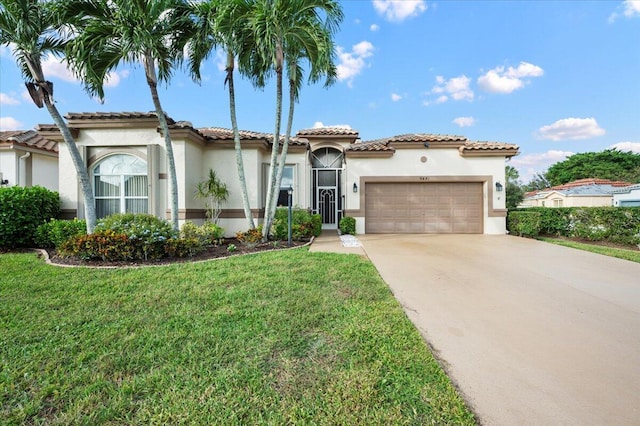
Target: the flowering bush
pixel 147 234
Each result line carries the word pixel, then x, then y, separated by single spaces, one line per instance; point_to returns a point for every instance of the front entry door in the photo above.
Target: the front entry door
pixel 327 196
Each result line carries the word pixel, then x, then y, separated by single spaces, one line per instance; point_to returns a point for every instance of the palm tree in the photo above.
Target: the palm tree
pixel 223 23
pixel 111 32
pixel 27 27
pixel 285 32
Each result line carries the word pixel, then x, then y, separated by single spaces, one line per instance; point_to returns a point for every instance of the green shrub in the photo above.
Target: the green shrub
pixel 208 233
pixel 147 234
pixel 56 231
pixel 183 247
pixel 304 225
pixel 22 210
pixel 347 225
pixel 524 223
pixel 619 225
pixel 106 245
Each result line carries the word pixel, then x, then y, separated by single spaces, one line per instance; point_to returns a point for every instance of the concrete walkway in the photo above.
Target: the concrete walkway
pixel 532 333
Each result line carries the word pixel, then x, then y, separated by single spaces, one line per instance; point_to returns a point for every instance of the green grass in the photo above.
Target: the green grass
pixel 632 255
pixel 286 337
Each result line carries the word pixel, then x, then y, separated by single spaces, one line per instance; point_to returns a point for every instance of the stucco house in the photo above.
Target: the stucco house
pixel 579 193
pixel 415 183
pixel 629 196
pixel 28 159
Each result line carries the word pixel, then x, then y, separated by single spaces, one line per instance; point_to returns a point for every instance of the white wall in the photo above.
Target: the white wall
pixel 8 167
pixel 633 195
pixel 44 171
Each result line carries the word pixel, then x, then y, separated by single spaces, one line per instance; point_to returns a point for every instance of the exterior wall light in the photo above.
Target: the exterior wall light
pixel 498 187
pixel 355 187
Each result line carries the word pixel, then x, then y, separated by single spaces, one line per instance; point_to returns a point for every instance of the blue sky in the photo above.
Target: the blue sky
pixel 554 77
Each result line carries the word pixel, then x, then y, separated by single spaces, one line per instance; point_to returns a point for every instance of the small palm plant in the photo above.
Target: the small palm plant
pixel 215 194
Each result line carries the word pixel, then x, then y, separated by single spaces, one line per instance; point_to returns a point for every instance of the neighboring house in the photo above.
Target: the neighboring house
pixel 629 196
pixel 416 183
pixel 28 159
pixel 579 193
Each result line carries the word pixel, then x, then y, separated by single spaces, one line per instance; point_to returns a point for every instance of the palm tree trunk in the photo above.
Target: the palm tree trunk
pixel 268 217
pixel 285 148
pixel 152 79
pixel 35 68
pixel 236 141
pixel 81 169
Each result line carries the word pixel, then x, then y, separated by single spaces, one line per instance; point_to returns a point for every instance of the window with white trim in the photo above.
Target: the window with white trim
pixel 557 202
pixel 120 185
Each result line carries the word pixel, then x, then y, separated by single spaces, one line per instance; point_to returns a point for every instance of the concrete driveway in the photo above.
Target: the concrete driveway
pixel 531 333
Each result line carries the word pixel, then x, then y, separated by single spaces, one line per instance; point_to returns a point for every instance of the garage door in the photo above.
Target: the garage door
pixel 424 208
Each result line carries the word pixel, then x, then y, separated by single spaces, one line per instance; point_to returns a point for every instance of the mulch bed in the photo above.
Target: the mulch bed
pixel 212 252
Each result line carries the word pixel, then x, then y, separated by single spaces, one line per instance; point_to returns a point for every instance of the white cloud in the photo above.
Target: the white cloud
pixel 113 78
pixel 628 9
pixel 374 27
pixel 571 128
pixel 627 146
pixel 351 63
pixel 530 164
pixel 26 96
pixel 8 100
pixel 395 97
pixel 465 121
pixel 399 10
pixel 456 88
pixel 499 80
pixel 10 123
pixel 54 67
pixel 319 125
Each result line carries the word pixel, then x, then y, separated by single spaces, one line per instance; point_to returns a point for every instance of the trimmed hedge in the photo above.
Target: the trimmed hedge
pixel 347 225
pixel 55 232
pixel 22 210
pixel 304 225
pixel 619 225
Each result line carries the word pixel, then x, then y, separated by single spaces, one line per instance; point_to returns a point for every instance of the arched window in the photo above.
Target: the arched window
pixel 120 185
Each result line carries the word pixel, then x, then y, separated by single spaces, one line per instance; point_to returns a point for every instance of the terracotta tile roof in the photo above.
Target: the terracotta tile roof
pixel 488 146
pixel 588 187
pixel 369 146
pixel 423 137
pixel 328 131
pixel 114 116
pixel 28 139
pixel 589 181
pixel 220 133
pixel 383 144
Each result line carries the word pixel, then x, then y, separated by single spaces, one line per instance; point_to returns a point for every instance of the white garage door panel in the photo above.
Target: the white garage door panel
pixel 424 208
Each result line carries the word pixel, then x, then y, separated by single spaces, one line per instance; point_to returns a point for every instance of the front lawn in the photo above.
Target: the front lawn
pixel 286 337
pixel 632 255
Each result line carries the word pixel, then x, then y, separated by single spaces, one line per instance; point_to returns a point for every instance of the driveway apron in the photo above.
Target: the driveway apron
pixel 531 333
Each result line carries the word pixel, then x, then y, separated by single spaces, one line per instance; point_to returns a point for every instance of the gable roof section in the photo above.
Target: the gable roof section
pixel 28 140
